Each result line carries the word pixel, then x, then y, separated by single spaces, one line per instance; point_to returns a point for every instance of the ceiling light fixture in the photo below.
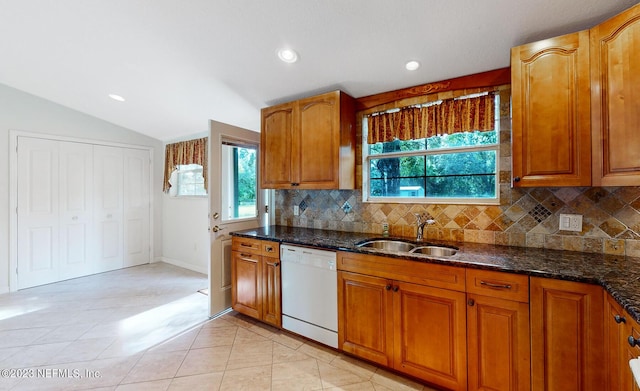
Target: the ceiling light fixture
pixel 412 65
pixel 116 97
pixel 288 55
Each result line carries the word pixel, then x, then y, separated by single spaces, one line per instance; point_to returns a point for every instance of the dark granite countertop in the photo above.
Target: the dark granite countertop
pixel 619 275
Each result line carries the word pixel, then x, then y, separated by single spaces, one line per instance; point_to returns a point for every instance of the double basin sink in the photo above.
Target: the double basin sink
pixel 409 248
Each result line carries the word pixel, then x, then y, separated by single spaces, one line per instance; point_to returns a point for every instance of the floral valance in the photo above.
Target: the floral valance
pixel 185 152
pixel 448 117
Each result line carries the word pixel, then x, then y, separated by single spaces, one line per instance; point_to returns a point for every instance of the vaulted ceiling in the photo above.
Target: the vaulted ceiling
pixel 179 63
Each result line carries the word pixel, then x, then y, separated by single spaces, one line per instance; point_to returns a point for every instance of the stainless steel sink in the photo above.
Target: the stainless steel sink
pixel 390 245
pixel 434 250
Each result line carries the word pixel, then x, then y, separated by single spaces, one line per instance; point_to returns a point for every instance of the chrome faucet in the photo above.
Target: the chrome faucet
pixel 421 221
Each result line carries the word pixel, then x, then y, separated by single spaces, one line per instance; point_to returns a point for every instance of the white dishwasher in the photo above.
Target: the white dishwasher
pixel 310 293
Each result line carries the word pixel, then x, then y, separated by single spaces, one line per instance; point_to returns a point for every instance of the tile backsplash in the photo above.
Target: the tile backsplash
pixel 611 217
pixel 526 217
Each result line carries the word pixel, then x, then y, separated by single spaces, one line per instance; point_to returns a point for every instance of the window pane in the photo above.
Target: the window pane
pixel 239 178
pixel 465 139
pixel 190 181
pixel 451 175
pixel 397 146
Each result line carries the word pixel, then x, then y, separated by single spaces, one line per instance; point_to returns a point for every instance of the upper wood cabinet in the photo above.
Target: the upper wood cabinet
pixel 551 135
pixel 615 98
pixel 576 107
pixel 309 143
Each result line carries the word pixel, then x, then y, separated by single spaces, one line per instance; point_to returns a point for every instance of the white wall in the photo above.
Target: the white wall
pixel 185 239
pixel 22 111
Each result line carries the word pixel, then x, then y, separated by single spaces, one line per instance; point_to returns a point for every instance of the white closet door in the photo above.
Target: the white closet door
pixel 136 207
pixel 108 208
pixel 76 209
pixel 38 212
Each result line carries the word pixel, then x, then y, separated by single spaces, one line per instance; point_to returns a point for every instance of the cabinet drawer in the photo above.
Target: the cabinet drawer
pixel 270 249
pixel 498 284
pixel 247 245
pixel 429 274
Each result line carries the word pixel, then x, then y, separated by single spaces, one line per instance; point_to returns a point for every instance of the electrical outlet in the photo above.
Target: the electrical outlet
pixel 296 210
pixel 570 222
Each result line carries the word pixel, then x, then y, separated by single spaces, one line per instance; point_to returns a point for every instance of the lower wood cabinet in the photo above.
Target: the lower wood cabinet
pixel 416 327
pixel 498 343
pixel 619 327
pixel 255 276
pixel 567 333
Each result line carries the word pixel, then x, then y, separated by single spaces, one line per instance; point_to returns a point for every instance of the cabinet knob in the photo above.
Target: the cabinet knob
pixel 620 319
pixel 388 287
pixel 471 302
pixel 396 288
pixel 632 341
pixel 276 264
pixel 516 179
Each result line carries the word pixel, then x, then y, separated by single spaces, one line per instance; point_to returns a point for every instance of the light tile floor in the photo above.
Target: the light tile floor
pixel 146 328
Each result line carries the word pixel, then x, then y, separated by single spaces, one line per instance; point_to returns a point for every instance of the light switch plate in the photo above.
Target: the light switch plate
pixel 570 222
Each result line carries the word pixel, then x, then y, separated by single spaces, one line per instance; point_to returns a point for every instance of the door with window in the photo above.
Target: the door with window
pixel 235 202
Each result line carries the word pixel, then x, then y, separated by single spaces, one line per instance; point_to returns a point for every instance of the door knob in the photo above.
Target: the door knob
pixel 216 228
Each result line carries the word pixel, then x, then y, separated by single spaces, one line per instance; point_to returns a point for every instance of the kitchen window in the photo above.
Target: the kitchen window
pixel 447 167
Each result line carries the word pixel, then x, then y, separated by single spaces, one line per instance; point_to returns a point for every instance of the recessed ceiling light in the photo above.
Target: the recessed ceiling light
pixel 116 97
pixel 412 65
pixel 288 55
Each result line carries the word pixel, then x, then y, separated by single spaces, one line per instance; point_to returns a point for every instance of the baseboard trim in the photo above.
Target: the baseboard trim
pixel 182 264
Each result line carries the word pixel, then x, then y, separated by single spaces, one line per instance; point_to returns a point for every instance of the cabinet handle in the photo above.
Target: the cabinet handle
pixel 269 249
pixel 388 287
pixel 620 319
pixel 396 288
pixel 246 245
pixel 276 264
pixel 632 341
pixel 247 257
pixel 498 286
pixel 295 184
pixel 516 179
pixel 471 302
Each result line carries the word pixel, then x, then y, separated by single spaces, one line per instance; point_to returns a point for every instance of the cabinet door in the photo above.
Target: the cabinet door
pixel 246 283
pixel 76 209
pixel 551 133
pixel 627 381
pixel 430 334
pixel 318 139
pixel 615 82
pixel 276 140
pixel 614 330
pixel 137 211
pixel 108 208
pixel 499 354
pixel 365 318
pixel 271 288
pixel 567 332
pixel 38 210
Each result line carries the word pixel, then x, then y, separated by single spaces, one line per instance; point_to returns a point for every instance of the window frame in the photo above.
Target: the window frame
pixel 366 169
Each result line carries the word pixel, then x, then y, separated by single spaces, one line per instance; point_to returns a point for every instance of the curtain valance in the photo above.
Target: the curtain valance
pixel 448 117
pixel 185 152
